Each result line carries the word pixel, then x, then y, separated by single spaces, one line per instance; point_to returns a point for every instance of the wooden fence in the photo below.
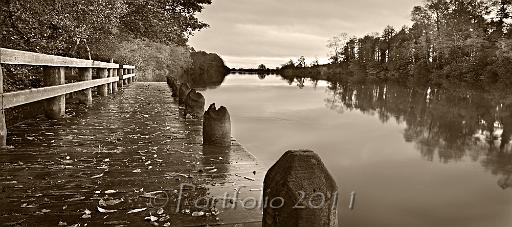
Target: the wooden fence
pixel 110 76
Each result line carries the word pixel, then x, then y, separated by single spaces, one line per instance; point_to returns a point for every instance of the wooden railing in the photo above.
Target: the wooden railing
pixel 111 77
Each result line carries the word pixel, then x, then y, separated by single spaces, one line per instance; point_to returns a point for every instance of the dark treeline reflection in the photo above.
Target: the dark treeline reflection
pixel 446 124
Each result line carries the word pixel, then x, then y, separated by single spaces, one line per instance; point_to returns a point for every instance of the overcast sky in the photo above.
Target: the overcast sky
pixel 246 33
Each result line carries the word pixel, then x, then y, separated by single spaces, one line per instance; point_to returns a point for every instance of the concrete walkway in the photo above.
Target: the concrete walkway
pixel 121 163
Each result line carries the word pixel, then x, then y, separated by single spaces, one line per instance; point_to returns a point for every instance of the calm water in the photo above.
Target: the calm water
pixel 415 156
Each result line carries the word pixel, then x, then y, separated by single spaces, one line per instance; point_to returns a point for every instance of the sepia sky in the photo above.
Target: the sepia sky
pixel 246 33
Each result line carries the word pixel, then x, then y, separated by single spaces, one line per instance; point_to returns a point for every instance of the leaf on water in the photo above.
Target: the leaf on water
pixel 105 210
pixel 113 202
pixel 151 194
pixel 164 218
pixel 136 210
pixel 151 218
pixel 160 211
pixel 250 178
pixel 137 171
pixel 198 214
pixel 85 216
pixel 102 203
pixel 96 176
pixel 75 199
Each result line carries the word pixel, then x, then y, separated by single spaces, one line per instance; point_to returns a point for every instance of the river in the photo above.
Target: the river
pixel 415 155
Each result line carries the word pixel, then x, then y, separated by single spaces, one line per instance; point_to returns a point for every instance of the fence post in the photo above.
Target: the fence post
pixel 130 79
pixel 102 89
pixel 109 85
pixel 125 72
pixel 120 75
pixel 85 96
pixel 56 106
pixel 299 191
pixel 114 84
pixel 3 126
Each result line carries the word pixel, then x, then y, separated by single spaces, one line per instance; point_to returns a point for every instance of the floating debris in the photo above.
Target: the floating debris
pixel 197 214
pixel 151 218
pixel 136 210
pixel 75 199
pixel 96 176
pixel 160 211
pixel 105 210
pixel 250 178
pixel 110 191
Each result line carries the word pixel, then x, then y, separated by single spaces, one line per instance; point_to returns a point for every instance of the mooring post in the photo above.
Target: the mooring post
pixel 56 106
pixel 298 190
pixel 85 96
pixel 120 75
pixel 217 126
pixel 194 103
pixel 109 85
pixel 102 89
pixel 183 90
pixel 3 126
pixel 114 84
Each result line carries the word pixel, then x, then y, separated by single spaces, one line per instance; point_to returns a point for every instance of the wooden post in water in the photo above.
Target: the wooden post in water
pixel 109 85
pixel 114 84
pixel 120 75
pixel 217 127
pixel 85 96
pixel 3 126
pixel 130 80
pixel 125 72
pixel 299 191
pixel 56 106
pixel 102 89
pixel 194 103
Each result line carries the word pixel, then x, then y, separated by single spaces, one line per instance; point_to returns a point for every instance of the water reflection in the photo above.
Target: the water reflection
pixel 444 124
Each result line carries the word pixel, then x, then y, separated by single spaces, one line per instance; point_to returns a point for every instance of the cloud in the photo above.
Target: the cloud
pixel 280 29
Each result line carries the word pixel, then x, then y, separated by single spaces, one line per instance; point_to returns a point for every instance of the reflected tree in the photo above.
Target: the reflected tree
pixel 446 124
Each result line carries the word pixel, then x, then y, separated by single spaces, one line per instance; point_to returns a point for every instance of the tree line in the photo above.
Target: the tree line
pixel 462 40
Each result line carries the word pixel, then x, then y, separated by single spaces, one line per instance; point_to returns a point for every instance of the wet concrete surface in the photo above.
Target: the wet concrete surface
pixel 131 159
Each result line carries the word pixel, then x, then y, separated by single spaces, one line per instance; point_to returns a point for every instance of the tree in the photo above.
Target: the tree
pixel 80 28
pixel 301 62
pixel 336 44
pixel 165 21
